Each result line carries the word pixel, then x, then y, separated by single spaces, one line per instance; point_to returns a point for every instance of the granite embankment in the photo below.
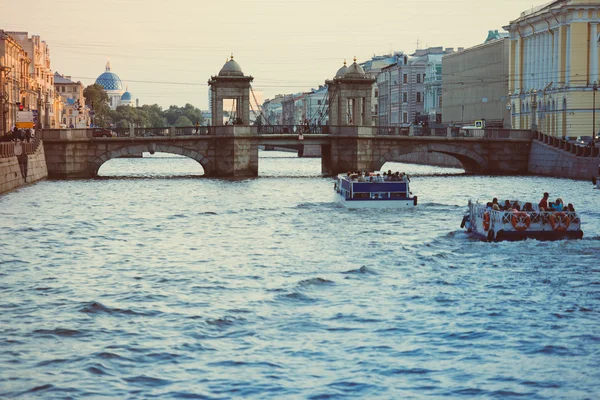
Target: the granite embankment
pixel 21 164
pixel 550 156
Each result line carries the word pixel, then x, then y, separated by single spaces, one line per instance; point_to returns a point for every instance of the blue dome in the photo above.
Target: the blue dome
pixel 126 96
pixel 110 81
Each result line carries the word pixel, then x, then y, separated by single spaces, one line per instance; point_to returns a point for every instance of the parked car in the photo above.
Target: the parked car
pixel 102 132
pixel 585 140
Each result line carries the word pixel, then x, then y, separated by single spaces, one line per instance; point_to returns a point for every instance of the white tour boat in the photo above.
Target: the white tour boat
pixel 353 193
pixel 495 226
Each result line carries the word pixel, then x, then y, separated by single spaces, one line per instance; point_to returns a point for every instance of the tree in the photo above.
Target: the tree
pixel 97 100
pixel 183 121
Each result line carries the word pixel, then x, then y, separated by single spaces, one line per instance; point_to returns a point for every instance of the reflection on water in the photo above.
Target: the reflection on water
pixel 169 286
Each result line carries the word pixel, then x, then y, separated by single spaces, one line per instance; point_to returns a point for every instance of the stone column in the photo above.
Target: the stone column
pixel 593 53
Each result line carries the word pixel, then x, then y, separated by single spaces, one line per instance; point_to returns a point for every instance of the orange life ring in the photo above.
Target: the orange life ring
pixel 521 221
pixel 486 221
pixel 560 221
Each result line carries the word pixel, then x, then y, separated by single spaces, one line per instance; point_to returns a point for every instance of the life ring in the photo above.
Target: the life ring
pixel 521 221
pixel 560 221
pixel 486 221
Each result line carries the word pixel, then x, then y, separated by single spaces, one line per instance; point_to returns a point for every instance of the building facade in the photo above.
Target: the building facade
pixel 373 68
pixel 555 55
pixel 15 82
pixel 41 77
pixel 475 85
pixel 75 113
pixel 402 87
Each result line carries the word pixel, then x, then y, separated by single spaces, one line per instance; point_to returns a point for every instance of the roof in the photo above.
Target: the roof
pixel 231 68
pixel 62 80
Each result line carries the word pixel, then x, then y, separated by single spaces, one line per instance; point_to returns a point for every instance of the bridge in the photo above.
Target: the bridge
pixel 347 142
pixel 232 151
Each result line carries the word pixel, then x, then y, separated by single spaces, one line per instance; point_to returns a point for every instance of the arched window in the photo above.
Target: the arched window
pixel 553 105
pixel 514 108
pixel 405 60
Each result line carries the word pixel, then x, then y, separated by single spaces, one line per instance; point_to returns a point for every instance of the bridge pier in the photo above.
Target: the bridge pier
pixel 350 149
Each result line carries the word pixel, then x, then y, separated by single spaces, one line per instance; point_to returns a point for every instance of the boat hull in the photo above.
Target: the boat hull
pixel 376 203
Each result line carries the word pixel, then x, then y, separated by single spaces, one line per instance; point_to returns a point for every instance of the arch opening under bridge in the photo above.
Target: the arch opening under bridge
pixel 136 150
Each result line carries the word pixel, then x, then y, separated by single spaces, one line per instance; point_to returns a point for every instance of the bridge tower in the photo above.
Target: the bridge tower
pixel 230 84
pixel 350 97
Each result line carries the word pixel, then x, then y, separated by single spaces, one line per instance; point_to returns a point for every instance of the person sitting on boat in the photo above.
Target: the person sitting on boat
pixel 558 205
pixel 495 207
pixel 361 177
pixel 528 207
pixel 570 208
pixel 379 178
pixel 507 206
pixel 488 206
pixel 544 202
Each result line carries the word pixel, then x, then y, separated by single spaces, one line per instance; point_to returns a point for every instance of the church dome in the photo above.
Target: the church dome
pixel 342 71
pixel 355 71
pixel 109 80
pixel 231 68
pixel 126 96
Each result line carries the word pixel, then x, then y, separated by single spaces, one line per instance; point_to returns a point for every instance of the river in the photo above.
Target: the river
pixel 151 283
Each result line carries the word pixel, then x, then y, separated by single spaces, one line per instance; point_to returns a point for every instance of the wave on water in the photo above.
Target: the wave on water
pixel 295 297
pixel 99 308
pixel 62 332
pixel 364 270
pixel 315 282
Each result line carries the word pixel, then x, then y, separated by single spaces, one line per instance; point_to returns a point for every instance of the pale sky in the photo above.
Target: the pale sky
pixel 166 51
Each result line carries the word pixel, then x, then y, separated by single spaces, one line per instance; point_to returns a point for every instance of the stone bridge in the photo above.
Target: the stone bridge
pixel 232 151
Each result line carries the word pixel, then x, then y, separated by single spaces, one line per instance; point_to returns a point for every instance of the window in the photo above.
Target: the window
pixel 62 89
pixel 376 93
pixel 440 101
pixel 405 118
pixel 319 102
pixel 418 96
pixel 405 78
pixel 418 78
pixel 405 97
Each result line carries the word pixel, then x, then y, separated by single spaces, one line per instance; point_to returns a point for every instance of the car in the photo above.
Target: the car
pixel 102 132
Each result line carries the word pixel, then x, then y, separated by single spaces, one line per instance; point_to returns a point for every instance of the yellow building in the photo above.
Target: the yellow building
pixel 553 69
pixel 14 81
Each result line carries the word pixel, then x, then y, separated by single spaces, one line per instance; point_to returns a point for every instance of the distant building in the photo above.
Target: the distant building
pixel 75 113
pixel 475 83
pixel 432 103
pixel 373 68
pixel 272 110
pixel 554 67
pixel 402 87
pixel 117 96
pixel 41 82
pixel 14 81
pixel 317 106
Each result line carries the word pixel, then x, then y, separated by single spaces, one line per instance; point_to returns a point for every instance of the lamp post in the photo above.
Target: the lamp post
pixel 594 111
pixel 534 126
pixel 508 110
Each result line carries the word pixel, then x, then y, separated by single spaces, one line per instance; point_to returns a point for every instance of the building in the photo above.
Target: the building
pixel 14 81
pixel 475 84
pixel 432 103
pixel 373 68
pixel 317 105
pixel 113 86
pixel 272 110
pixel 41 78
pixel 402 87
pixel 75 113
pixel 554 68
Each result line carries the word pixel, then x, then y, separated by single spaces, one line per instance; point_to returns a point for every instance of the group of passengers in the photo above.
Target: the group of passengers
pixel 389 176
pixel 543 205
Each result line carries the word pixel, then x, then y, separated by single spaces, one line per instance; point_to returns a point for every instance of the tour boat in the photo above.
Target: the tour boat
pixel 495 226
pixel 373 194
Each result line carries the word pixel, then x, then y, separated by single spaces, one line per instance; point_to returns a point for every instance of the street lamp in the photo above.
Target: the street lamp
pixel 594 112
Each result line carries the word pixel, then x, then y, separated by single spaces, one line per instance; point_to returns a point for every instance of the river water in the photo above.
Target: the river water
pixel 152 283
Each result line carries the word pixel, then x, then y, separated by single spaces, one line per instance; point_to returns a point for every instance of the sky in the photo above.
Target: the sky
pixel 166 51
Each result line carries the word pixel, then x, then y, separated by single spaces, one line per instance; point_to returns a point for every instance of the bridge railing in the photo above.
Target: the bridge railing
pixel 7 149
pixel 392 131
pixel 122 132
pixel 151 132
pixel 293 129
pixel 192 130
pixel 573 148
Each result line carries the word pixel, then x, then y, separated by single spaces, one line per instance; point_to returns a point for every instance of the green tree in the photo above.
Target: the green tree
pixel 97 100
pixel 183 121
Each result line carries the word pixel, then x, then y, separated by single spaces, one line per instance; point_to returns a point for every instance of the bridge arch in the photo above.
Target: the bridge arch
pixel 130 150
pixel 471 161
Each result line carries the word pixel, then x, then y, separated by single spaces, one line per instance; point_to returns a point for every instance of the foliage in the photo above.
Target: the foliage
pixel 97 100
pixel 152 116
pixel 183 121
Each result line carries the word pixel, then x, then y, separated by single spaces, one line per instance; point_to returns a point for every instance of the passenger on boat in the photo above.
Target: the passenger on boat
pixel 495 207
pixel 528 207
pixel 507 206
pixel 516 206
pixel 488 206
pixel 361 178
pixel 544 202
pixel 570 208
pixel 557 205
